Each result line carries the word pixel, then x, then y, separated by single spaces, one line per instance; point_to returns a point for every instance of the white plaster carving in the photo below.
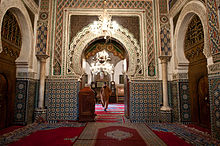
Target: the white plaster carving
pixel 25 58
pixel 81 40
pixel 188 11
pixel 85 36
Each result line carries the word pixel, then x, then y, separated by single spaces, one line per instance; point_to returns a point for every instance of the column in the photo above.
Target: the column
pixel 42 59
pixel 164 60
pixel 40 112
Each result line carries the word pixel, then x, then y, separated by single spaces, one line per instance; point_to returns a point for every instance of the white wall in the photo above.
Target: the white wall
pixel 88 72
pixel 118 71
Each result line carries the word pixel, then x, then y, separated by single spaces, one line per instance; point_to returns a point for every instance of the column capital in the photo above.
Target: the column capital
pixel 42 57
pixel 164 59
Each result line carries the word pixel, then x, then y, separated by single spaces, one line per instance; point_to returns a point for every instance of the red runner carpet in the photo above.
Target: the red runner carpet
pixel 170 139
pixel 9 129
pixel 114 113
pixel 64 136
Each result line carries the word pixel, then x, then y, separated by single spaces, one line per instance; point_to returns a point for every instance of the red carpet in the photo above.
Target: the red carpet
pixel 115 113
pixel 64 136
pixel 170 139
pixel 118 136
pixel 9 129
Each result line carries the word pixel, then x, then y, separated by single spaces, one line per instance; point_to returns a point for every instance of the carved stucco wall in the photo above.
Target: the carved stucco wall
pixel 188 11
pixel 59 40
pixel 81 40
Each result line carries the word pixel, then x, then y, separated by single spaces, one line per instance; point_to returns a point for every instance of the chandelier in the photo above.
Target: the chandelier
pixel 104 25
pixel 101 64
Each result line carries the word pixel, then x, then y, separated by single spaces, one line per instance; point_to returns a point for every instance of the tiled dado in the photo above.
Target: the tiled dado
pixel 180 101
pixel 61 99
pixel 24 101
pixel 185 112
pixel 145 101
pixel 214 94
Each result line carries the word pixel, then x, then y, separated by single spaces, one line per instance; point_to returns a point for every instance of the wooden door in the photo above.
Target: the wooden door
pixel 203 99
pixel 3 101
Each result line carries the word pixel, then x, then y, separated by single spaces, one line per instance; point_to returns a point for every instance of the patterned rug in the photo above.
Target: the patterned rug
pixel 109 134
pixel 26 131
pixel 190 135
pixel 115 113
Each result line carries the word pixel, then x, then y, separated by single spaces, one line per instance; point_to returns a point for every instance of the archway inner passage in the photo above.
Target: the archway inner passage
pixel 197 73
pixel 106 61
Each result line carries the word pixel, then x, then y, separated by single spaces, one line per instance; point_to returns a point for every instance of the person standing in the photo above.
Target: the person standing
pixel 105 93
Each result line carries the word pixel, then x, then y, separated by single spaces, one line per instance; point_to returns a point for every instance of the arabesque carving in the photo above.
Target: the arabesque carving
pixel 79 42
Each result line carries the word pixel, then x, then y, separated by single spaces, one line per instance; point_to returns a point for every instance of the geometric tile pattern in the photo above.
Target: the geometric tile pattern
pixel 165 41
pixel 31 100
pixel 214 94
pixel 20 102
pixel 42 27
pixel 24 101
pixel 165 116
pixel 185 113
pixel 127 4
pixel 163 6
pixel 150 41
pixel 213 26
pixel 44 5
pixel 175 102
pixel 41 39
pixel 144 101
pixel 62 99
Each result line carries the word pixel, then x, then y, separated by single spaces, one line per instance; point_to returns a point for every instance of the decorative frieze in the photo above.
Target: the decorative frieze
pixel 179 76
pixel 214 69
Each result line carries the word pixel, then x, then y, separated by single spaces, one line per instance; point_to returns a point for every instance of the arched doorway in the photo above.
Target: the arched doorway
pixel 105 61
pixel 11 39
pixel 3 100
pixel 197 73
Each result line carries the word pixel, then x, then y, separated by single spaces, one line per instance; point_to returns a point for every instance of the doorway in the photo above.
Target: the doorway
pixel 197 73
pixel 106 61
pixel 3 101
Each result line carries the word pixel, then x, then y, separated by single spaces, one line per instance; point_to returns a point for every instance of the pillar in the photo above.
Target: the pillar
pixel 164 60
pixel 40 112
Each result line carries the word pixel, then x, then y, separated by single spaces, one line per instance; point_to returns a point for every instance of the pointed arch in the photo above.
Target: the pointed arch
pixel 192 8
pixel 19 10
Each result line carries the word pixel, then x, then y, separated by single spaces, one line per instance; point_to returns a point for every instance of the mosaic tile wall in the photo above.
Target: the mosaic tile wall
pixel 24 101
pixel 144 101
pixel 214 94
pixel 213 27
pixel 42 29
pixel 163 6
pixel 165 41
pixel 184 102
pixel 42 38
pixel 175 101
pixel 61 99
